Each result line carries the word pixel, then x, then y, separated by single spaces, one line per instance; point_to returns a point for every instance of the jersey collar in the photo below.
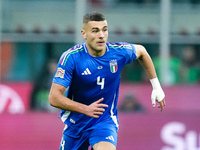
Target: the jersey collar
pixel 86 50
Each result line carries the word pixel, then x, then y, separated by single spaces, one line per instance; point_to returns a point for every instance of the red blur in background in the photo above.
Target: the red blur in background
pixel 177 127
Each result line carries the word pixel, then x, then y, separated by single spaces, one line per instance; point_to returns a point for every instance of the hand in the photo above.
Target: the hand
pixel 95 109
pixel 162 104
pixel 158 95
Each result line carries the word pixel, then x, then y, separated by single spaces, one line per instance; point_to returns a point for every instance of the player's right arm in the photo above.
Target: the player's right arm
pixel 58 100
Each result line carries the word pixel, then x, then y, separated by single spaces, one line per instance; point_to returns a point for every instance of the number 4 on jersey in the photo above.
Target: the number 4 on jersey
pixel 100 82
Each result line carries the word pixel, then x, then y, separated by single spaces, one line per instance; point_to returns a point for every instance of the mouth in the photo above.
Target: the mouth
pixel 101 43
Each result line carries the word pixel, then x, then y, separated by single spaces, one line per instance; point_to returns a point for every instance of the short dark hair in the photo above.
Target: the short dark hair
pixel 94 16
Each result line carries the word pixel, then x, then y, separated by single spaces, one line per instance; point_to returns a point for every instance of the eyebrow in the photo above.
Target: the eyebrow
pixel 94 28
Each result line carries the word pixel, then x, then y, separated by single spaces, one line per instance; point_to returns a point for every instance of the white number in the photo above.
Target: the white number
pixel 100 82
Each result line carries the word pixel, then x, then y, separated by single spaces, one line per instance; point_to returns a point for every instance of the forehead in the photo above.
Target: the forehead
pixel 96 24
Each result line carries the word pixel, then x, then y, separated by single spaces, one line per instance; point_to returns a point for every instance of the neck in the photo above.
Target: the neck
pixel 95 52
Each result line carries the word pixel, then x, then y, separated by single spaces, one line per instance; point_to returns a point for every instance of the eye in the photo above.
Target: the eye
pixel 105 29
pixel 94 31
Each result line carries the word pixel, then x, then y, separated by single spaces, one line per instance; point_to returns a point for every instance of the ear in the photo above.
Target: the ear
pixel 83 33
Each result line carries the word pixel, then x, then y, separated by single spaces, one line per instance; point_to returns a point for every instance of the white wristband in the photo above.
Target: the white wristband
pixel 157 93
pixel 155 83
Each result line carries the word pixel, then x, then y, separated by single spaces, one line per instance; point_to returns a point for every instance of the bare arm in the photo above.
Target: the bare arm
pixel 57 99
pixel 145 61
pixel 147 64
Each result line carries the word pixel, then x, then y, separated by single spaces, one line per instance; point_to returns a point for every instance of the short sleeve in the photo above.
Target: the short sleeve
pixel 64 71
pixel 130 52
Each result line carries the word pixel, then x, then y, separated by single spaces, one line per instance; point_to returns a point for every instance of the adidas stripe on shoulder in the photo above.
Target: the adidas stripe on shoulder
pixel 71 51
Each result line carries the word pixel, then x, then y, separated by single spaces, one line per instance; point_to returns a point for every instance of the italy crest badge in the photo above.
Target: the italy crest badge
pixel 113 66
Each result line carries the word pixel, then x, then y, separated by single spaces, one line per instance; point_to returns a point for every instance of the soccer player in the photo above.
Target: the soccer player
pixel 86 86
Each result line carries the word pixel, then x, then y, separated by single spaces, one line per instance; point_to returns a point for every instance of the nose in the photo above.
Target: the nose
pixel 101 34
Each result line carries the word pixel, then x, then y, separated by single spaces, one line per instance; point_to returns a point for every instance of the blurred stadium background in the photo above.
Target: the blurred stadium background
pixel 33 35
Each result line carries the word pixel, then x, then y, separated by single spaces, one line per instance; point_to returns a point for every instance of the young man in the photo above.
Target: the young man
pixel 89 76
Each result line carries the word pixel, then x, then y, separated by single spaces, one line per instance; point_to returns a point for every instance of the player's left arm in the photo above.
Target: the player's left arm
pixel 146 62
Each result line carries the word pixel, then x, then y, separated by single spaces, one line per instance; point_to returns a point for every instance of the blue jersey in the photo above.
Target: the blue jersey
pixel 89 79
